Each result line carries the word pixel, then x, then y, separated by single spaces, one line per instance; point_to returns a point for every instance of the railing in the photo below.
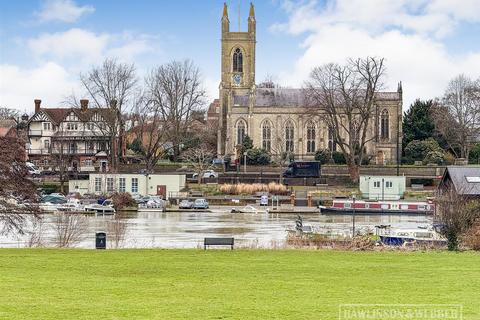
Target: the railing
pixel 55 151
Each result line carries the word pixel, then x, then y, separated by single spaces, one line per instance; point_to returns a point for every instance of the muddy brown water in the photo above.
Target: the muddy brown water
pixel 187 229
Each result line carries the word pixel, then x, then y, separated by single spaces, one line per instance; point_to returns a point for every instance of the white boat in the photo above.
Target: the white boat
pixel 248 209
pixel 404 236
pixel 154 203
pixel 72 206
pixel 99 209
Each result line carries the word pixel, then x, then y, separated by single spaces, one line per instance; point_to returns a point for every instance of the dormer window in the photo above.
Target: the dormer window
pixel 47 126
pixel 237 60
pixel 72 126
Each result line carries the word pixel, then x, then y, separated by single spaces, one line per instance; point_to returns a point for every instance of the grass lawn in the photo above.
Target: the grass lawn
pixel 224 284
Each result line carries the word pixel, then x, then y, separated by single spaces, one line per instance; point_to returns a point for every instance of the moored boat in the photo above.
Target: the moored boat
pixel 361 207
pixel 402 236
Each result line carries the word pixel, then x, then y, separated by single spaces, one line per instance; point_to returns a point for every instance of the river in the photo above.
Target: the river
pixel 187 229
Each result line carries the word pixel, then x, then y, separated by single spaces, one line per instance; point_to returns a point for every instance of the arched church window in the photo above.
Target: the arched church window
pixel 355 132
pixel 241 131
pixel 266 135
pixel 310 137
pixel 237 60
pixel 332 146
pixel 289 136
pixel 384 125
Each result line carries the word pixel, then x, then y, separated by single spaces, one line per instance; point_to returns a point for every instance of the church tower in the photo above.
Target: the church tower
pixel 238 71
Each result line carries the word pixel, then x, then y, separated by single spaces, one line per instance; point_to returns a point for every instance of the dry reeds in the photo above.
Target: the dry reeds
pixel 244 188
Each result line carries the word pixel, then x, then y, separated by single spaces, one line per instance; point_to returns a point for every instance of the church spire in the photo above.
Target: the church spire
pixel 251 19
pixel 225 21
pixel 225 11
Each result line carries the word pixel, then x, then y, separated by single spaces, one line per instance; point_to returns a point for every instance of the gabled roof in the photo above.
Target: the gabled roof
pixel 6 125
pixel 57 115
pixel 465 179
pixel 291 97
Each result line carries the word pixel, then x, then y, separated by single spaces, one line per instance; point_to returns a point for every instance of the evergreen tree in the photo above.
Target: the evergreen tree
pixel 418 122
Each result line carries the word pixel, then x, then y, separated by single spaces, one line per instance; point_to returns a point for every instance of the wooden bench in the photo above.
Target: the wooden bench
pixel 217 242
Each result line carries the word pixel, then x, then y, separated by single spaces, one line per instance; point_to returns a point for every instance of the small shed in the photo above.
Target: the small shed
pixel 465 180
pixel 382 187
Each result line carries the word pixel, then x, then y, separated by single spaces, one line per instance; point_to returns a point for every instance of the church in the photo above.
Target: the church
pixel 276 118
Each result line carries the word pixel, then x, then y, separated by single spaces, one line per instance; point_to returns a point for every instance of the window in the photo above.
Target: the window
pixel 266 135
pixel 389 184
pixel 237 60
pixel 47 126
pixel 102 146
pixel 332 146
pixel 134 185
pixel 98 184
pixel 355 132
pixel 310 137
pixel 89 126
pixel 90 146
pixel 89 163
pixel 289 136
pixel 47 144
pixel 121 185
pixel 71 126
pixel 384 125
pixel 109 184
pixel 241 130
pixel 376 184
pixel 72 147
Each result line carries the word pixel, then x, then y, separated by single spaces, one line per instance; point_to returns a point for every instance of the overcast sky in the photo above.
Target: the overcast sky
pixel 46 44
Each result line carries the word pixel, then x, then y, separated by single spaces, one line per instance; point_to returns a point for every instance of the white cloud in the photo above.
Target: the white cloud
pixel 62 10
pixel 409 36
pixel 49 82
pixel 82 48
pixel 71 44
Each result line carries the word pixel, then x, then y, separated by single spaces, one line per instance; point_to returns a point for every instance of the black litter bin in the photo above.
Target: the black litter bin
pixel 100 240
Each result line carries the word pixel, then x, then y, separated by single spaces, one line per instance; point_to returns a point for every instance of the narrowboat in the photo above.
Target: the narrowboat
pixel 361 207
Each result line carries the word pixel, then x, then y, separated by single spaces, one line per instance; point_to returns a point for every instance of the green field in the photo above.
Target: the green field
pixel 224 284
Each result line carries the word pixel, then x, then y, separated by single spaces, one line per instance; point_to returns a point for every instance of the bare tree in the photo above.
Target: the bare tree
pixel 7 113
pixel 116 230
pixel 149 129
pixel 69 229
pixel 461 101
pixel 200 159
pixel 456 213
pixel 18 196
pixel 344 96
pixel 111 85
pixel 176 90
pixel 35 233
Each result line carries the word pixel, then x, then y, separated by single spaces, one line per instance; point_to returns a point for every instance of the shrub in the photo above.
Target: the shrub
pixel 243 188
pixel 471 238
pixel 323 156
pixel 136 146
pixel 257 156
pixel 474 154
pixel 449 158
pixel 437 157
pixel 338 157
pixel 122 200
pixel 417 150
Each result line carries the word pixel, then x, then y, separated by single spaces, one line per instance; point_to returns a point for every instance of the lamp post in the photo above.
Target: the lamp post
pixel 353 215
pixel 245 162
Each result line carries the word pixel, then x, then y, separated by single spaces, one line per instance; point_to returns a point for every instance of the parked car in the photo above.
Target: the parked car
pixel 32 169
pixel 185 204
pixel 200 204
pixel 206 174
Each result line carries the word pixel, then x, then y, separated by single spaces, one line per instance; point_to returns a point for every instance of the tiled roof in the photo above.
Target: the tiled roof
pixel 57 115
pixel 290 97
pixel 466 179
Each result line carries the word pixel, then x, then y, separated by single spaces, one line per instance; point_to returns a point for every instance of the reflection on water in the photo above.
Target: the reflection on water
pixel 187 229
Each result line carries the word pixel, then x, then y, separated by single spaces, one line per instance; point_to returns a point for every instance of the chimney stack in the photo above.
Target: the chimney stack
pixel 37 105
pixel 83 105
pixel 113 104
